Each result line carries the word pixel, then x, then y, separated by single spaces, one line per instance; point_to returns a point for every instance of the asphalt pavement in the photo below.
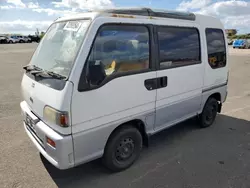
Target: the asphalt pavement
pixel 183 156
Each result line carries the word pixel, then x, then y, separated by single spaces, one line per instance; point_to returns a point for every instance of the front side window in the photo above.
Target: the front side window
pixel 118 49
pixel 60 45
pixel 178 46
pixel 216 48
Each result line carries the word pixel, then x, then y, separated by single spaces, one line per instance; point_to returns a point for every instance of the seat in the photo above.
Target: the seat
pixel 96 74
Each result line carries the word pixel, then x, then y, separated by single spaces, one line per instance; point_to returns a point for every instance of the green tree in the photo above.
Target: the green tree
pixel 42 34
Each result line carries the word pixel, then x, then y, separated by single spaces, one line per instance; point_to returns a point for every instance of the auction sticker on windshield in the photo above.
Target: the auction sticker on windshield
pixel 72 25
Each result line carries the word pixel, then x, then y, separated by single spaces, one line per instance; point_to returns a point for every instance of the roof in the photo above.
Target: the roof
pixel 208 21
pixel 136 11
pixel 150 12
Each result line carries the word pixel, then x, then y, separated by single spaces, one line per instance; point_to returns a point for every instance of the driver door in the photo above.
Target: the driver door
pixel 117 89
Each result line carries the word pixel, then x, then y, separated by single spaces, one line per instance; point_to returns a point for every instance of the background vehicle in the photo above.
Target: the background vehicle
pixel 34 38
pixel 12 39
pixel 27 39
pixel 3 40
pixel 22 39
pixel 119 77
pixel 241 43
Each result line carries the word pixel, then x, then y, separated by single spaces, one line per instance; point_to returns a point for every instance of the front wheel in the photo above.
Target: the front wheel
pixel 209 113
pixel 123 149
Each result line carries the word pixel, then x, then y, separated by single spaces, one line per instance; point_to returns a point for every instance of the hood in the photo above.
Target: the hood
pixel 38 95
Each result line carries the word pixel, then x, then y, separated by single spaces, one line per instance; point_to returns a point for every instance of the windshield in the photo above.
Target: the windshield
pixel 59 47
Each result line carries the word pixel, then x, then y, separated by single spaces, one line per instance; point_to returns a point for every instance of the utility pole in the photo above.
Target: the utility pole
pixel 37 32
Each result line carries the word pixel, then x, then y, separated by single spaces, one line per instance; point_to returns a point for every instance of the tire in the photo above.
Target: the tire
pixel 123 149
pixel 209 113
pixel 11 42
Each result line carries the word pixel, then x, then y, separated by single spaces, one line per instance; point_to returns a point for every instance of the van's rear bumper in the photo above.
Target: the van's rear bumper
pixel 62 155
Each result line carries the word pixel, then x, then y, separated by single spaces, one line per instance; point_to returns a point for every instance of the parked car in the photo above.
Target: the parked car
pixel 12 39
pixel 241 43
pixel 34 38
pixel 27 39
pixel 3 40
pixel 22 39
pixel 119 79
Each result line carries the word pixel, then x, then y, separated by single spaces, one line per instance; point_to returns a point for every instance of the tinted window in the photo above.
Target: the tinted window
pixel 216 48
pixel 118 49
pixel 178 46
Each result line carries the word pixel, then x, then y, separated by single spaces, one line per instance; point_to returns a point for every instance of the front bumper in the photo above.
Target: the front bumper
pixel 62 155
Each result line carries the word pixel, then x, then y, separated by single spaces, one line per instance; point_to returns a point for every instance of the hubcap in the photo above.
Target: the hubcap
pixel 210 114
pixel 125 149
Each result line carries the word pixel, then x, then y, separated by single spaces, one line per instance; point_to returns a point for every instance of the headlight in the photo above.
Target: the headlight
pixel 54 116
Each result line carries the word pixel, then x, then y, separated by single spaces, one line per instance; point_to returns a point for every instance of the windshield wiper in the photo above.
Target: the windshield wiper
pixel 55 75
pixel 32 68
pixel 46 74
pixel 36 71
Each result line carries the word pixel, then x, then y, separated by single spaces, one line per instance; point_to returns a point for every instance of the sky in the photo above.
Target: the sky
pixel 24 16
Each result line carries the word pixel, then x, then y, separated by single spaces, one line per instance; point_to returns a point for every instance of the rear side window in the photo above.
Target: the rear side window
pixel 216 48
pixel 178 46
pixel 118 49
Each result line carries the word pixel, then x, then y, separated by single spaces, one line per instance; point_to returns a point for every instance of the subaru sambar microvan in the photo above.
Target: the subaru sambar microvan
pixel 101 83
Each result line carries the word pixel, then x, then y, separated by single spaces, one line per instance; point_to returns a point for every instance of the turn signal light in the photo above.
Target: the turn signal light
pixel 64 120
pixel 51 142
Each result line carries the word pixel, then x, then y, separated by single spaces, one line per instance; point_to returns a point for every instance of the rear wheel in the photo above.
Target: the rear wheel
pixel 122 149
pixel 209 113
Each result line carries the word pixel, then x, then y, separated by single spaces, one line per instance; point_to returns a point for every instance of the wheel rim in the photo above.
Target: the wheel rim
pixel 210 113
pixel 124 150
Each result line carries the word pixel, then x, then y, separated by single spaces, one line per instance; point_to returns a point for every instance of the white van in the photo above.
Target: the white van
pixel 101 83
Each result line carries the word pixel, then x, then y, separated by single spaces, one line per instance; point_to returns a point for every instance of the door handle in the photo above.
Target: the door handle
pixel 162 82
pixel 156 83
pixel 151 84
